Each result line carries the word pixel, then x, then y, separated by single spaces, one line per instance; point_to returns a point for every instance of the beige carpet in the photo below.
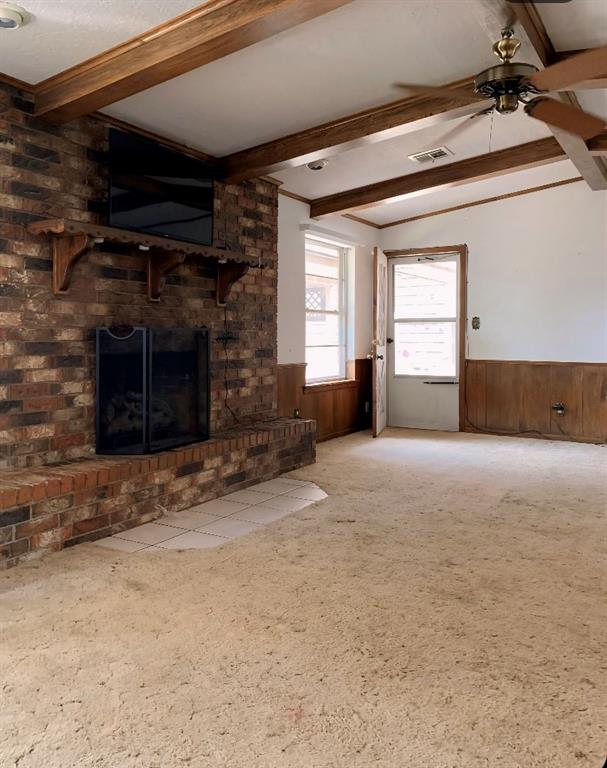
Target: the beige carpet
pixel 444 608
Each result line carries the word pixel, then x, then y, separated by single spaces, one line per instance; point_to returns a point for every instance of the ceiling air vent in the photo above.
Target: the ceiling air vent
pixel 431 155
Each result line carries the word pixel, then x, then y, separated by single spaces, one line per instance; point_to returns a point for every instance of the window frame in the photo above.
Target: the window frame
pixel 341 313
pixel 455 320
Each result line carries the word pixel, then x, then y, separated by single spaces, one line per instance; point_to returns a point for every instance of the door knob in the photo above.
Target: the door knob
pixel 380 357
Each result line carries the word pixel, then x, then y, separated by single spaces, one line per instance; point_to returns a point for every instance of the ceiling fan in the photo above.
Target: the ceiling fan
pixel 509 83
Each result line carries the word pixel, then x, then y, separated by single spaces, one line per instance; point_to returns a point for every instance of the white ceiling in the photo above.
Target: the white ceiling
pixel 594 101
pixel 576 24
pixel 62 33
pixel 339 63
pixel 388 159
pixel 467 193
pixel 329 67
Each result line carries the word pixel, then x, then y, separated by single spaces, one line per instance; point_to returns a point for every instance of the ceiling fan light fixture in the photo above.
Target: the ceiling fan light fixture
pixel 508 83
pixel 505 83
pixel 506 103
pixel 12 16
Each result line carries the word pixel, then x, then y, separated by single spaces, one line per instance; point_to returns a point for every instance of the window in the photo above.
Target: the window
pixel 326 318
pixel 425 318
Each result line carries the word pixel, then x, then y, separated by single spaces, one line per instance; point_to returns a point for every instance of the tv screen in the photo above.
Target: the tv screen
pixel 159 191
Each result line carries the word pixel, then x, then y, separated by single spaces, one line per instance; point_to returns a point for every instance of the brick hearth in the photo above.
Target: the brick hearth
pixel 58 506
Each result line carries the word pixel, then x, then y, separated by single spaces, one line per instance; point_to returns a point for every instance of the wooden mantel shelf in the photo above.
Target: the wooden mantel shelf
pixel 70 240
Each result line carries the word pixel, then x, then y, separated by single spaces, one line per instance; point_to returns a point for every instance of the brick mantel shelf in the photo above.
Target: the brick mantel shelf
pixel 71 240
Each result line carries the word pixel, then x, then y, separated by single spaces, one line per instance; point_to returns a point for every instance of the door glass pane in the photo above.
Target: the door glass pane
pixel 322 329
pixel 425 349
pixel 322 293
pixel 425 289
pixel 324 363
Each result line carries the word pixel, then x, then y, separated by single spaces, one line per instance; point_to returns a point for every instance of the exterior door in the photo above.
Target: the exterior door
pixel 426 320
pixel 378 356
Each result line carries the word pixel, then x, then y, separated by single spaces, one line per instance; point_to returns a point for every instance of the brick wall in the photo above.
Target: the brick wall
pixel 47 342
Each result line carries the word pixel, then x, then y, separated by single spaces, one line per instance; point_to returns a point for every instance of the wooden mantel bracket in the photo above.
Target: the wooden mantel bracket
pixel 159 266
pixel 67 250
pixel 70 240
pixel 227 274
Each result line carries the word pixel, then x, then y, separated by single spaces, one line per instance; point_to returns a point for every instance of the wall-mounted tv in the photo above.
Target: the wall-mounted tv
pixel 158 191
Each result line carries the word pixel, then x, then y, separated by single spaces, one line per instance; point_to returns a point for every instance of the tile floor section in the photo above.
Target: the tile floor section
pixel 221 520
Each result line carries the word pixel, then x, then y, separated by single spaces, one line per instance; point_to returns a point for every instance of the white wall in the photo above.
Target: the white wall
pixel 291 277
pixel 291 280
pixel 537 272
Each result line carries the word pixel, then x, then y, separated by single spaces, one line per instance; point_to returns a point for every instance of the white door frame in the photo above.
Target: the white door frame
pixel 462 250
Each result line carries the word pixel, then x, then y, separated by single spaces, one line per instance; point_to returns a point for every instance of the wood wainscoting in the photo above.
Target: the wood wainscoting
pixel 338 407
pixel 515 397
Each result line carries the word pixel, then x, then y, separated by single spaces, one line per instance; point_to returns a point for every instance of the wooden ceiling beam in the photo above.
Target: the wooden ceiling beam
pixel 598 145
pixel 386 121
pixel 493 16
pixel 518 158
pixel 204 34
pixel 484 201
pixel 380 123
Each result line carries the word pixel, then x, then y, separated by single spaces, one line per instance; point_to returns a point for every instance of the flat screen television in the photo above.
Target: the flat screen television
pixel 158 191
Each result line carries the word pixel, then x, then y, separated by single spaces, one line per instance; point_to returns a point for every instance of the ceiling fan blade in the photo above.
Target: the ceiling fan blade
pixel 441 92
pixel 565 117
pixel 461 127
pixel 576 69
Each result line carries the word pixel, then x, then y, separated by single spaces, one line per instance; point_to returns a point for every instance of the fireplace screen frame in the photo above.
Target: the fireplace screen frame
pixel 147 445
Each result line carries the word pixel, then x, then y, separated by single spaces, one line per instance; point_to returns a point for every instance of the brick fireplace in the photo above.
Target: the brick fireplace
pixel 47 348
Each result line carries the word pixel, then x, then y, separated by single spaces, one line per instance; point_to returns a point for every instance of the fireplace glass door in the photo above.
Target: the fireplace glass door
pixel 178 390
pixel 153 388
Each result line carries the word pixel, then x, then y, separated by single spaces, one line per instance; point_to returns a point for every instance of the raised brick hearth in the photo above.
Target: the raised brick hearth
pixel 58 506
pixel 53 490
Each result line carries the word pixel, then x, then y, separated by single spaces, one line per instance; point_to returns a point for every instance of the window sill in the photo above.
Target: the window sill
pixel 321 386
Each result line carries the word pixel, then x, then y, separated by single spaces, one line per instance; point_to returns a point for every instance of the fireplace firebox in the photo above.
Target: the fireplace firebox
pixel 153 388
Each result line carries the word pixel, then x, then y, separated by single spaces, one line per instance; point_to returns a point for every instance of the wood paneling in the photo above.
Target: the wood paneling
pixel 339 408
pixel 515 397
pixel 594 402
pixel 204 34
pixel 475 400
pixel 529 155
